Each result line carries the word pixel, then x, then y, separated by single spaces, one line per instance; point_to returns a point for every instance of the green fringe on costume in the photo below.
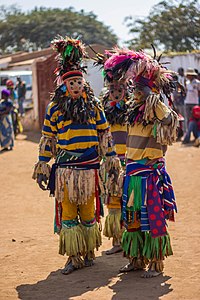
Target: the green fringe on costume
pixel 92 237
pixel 72 242
pixel 157 248
pixel 112 226
pixel 132 243
pixel 135 189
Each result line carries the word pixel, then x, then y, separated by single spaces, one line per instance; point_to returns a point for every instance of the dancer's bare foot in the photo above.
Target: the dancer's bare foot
pixel 68 269
pixel 127 268
pixel 88 262
pixel 114 249
pixel 150 274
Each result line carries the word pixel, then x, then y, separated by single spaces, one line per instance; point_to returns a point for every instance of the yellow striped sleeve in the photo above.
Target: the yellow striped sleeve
pixel 50 124
pixel 101 121
pixel 49 130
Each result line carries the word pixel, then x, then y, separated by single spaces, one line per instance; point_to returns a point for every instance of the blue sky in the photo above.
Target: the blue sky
pixel 111 12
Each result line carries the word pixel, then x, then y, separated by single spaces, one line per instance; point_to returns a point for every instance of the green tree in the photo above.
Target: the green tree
pixel 170 26
pixel 35 29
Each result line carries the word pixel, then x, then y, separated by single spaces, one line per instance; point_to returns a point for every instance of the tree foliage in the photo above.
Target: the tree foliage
pixel 170 26
pixel 35 29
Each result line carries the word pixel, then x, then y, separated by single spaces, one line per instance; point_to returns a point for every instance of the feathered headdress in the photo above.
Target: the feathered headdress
pixel 119 62
pixel 71 53
pixel 125 64
pixel 116 62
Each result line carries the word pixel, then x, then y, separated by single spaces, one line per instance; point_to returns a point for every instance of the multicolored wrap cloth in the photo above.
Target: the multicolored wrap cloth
pixel 148 191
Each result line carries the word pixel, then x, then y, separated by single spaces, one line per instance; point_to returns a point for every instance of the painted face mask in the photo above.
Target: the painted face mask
pixel 141 92
pixel 74 86
pixel 117 92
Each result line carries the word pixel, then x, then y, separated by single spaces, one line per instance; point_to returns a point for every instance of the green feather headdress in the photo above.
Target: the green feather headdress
pixel 71 53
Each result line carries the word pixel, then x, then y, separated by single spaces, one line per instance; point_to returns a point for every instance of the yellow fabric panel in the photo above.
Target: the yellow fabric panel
pixel 120 149
pixel 70 210
pixel 115 202
pixel 137 154
pixel 87 211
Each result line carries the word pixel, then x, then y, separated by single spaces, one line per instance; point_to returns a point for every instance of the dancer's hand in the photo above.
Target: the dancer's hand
pixel 41 178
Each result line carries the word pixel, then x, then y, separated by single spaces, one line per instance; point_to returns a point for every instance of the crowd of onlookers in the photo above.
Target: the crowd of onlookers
pixel 11 110
pixel 187 103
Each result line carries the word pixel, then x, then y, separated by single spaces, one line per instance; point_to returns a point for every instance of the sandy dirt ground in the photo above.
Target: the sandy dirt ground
pixel 29 261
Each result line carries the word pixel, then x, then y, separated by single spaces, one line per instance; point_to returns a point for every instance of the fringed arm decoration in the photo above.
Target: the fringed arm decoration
pixel 165 128
pixel 150 105
pixel 115 176
pixel 101 182
pixel 41 167
pixel 167 134
pixel 106 147
pixel 47 148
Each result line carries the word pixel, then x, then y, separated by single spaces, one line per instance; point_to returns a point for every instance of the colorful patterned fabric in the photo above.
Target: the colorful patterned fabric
pixel 158 201
pixel 71 136
pixel 88 223
pixel 6 126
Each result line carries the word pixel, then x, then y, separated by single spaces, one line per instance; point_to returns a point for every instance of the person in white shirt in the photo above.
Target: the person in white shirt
pixel 192 93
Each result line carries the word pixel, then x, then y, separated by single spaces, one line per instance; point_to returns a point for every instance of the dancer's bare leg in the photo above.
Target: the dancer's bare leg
pixel 115 248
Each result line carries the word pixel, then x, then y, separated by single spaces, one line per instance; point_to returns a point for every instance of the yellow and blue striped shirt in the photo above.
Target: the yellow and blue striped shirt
pixel 71 136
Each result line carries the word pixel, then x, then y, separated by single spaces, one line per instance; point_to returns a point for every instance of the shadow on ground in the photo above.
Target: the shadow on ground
pixel 103 274
pixel 132 286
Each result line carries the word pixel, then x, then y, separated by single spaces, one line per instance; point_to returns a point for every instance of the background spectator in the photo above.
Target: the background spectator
pixel 21 92
pixel 194 127
pixel 192 93
pixel 6 127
